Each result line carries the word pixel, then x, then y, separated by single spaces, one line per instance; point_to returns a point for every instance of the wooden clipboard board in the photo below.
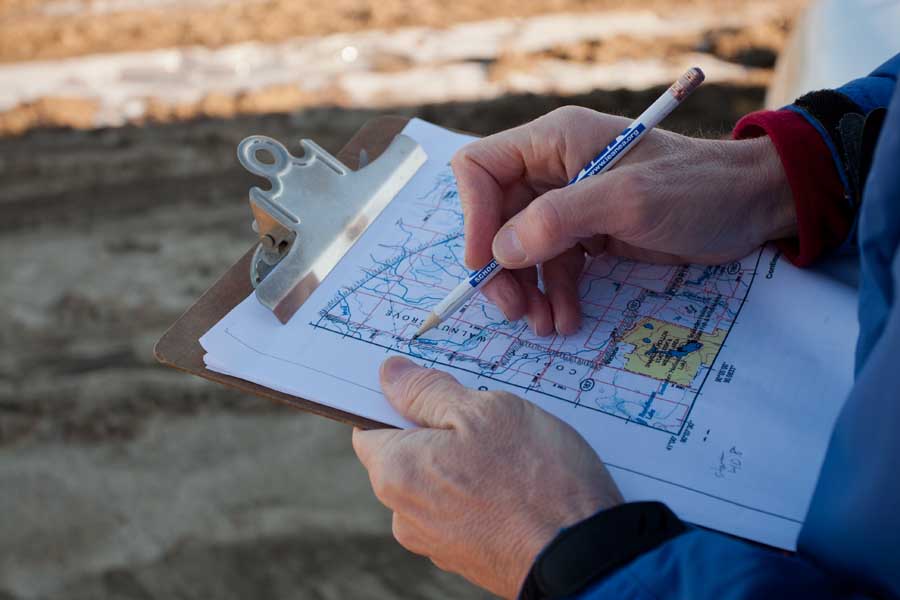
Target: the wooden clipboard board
pixel 180 348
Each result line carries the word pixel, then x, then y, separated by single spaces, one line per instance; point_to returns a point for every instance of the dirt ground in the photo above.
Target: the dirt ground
pixel 417 59
pixel 121 479
pixel 42 29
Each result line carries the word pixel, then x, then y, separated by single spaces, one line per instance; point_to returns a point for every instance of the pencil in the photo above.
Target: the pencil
pixel 609 156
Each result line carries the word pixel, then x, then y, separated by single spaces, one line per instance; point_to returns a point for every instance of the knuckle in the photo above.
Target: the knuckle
pixel 548 221
pixel 392 481
pixel 556 126
pixel 507 297
pixel 461 163
pixel 432 395
pixel 471 155
pixel 379 486
pixel 377 479
pixel 426 383
pixel 464 154
pixel 356 441
pixel 569 113
pixel 401 531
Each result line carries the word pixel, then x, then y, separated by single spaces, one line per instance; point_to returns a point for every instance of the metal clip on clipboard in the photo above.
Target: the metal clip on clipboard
pixel 315 210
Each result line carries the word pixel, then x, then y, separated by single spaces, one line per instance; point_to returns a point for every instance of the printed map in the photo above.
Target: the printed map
pixel 648 342
pixel 671 378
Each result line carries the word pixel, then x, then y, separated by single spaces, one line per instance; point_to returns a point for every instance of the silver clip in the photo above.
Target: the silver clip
pixel 315 210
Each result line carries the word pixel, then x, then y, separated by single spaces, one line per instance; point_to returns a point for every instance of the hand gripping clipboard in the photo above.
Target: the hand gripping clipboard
pixel 179 347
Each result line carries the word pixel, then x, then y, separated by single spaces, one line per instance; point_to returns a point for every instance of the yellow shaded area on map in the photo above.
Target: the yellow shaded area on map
pixel 667 351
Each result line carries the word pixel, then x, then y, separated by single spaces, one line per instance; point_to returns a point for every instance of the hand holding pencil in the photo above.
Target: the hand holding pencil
pixel 663 203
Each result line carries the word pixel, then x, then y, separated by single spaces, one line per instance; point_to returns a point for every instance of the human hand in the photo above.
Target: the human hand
pixel 487 481
pixel 673 199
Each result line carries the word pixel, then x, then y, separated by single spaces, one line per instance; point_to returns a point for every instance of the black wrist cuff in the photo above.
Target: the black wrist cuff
pixel 853 134
pixel 593 548
pixel 827 107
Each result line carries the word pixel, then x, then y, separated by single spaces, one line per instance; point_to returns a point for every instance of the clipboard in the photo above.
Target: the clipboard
pixel 179 347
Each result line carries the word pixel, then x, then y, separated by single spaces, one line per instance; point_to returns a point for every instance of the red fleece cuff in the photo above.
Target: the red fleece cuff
pixel 824 217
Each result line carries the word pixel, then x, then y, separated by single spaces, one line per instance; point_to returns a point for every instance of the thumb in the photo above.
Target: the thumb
pixel 557 220
pixel 426 396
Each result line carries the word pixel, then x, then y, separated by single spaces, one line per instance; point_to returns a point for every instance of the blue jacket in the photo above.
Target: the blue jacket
pixel 849 546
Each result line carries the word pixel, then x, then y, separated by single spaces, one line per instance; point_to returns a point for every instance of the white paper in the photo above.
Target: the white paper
pixel 714 389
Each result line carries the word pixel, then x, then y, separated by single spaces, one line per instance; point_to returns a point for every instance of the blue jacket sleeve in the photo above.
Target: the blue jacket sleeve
pixel 699 564
pixel 867 93
pixel 851 530
pixel 875 90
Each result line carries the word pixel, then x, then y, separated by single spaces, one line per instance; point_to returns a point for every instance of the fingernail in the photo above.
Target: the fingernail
pixel 395 367
pixel 508 247
pixel 566 332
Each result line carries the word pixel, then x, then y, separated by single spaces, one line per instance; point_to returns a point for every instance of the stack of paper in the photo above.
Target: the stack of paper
pixel 713 388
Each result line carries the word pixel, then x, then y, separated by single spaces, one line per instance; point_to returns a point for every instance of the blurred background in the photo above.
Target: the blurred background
pixel 121 201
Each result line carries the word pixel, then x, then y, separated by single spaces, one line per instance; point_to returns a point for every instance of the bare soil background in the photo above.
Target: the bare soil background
pixel 121 479
pixel 42 29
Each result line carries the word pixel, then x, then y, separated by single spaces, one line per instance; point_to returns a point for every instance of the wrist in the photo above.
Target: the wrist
pixel 770 202
pixel 595 547
pixel 825 214
pixel 565 513
pixel 542 533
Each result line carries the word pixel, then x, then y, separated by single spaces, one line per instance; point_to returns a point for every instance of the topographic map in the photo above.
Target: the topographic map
pixel 711 388
pixel 648 342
